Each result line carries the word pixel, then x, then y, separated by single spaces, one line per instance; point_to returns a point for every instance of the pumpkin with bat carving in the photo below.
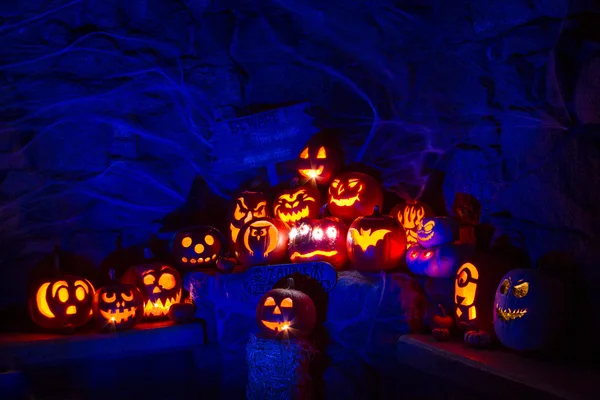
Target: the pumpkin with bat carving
pixel 246 207
pixel 200 246
pixel 262 241
pixel 319 240
pixel 286 313
pixel 291 205
pixel 529 310
pixel 159 284
pixel 320 160
pixel 117 306
pixel 352 195
pixel 436 231
pixel 410 215
pixel 376 242
pixel 62 303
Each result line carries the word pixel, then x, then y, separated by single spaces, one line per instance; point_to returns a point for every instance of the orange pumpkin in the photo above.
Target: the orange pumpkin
pixel 246 207
pixel 410 215
pixel 291 205
pixel 320 160
pixel 262 241
pixel 319 240
pixel 352 195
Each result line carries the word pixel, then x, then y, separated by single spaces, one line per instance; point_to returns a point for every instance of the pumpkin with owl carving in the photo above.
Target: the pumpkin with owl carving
pixel 262 241
pixel 247 205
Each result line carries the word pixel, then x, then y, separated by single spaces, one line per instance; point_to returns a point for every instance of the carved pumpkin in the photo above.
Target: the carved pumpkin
pixel 63 303
pixel 291 205
pixel 435 231
pixel 247 206
pixel 410 215
pixel 320 160
pixel 285 313
pixel 319 240
pixel 118 306
pixel 197 247
pixel 262 241
pixel 159 284
pixel 376 242
pixel 352 195
pixel 436 262
pixel 530 309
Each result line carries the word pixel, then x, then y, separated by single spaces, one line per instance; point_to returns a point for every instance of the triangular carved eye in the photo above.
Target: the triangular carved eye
pixel 304 153
pixel 322 153
pixel 270 301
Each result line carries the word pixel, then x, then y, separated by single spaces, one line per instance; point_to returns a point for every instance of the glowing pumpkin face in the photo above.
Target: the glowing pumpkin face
pixel 160 286
pixel 118 307
pixel 285 314
pixel 353 195
pixel 410 215
pixel 530 309
pixel 62 303
pixel 435 231
pixel 320 160
pixel 197 247
pixel 437 262
pixel 247 206
pixel 262 241
pixel 294 204
pixel 319 240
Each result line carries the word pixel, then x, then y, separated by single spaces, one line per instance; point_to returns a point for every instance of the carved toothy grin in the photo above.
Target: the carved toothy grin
pixel 293 216
pixel 311 173
pixel 158 309
pixel 276 326
pixel 425 236
pixel 508 314
pixel 199 260
pixel 345 202
pixel 314 253
pixel 119 316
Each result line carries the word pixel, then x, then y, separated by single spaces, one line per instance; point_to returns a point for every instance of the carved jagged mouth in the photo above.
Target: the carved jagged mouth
pixel 345 202
pixel 293 216
pixel 276 326
pixel 425 236
pixel 158 309
pixel 199 260
pixel 311 173
pixel 314 253
pixel 119 316
pixel 507 314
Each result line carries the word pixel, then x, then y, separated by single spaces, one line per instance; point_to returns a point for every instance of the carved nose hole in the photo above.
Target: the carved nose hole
pixel 277 311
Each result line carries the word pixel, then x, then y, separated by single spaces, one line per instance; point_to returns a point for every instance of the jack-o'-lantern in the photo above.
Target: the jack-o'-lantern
pixel 530 308
pixel 160 286
pixel 62 303
pixel 352 195
pixel 435 231
pixel 286 313
pixel 410 215
pixel 262 241
pixel 320 160
pixel 436 262
pixel 118 306
pixel 247 206
pixel 375 243
pixel 197 247
pixel 319 240
pixel 291 205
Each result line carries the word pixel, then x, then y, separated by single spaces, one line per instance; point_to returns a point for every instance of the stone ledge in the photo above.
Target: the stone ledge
pixel 497 373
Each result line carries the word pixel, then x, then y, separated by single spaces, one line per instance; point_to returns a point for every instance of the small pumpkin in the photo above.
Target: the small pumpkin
pixel 200 246
pixel 117 306
pixel 436 231
pixel 352 195
pixel 286 313
pixel 410 215
pixel 247 206
pixel 440 334
pixel 262 241
pixel 182 313
pixel 442 319
pixel 320 159
pixel 291 205
pixel 529 310
pixel 477 338
pixel 376 242
pixel 319 240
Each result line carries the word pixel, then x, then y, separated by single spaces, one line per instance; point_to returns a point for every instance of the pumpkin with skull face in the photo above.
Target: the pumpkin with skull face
pixel 291 205
pixel 160 286
pixel 286 313
pixel 320 159
pixel 352 195
pixel 62 303
pixel 529 310
pixel 118 306
pixel 435 231
pixel 319 240
pixel 410 215
pixel 262 241
pixel 247 206
pixel 197 247
pixel 436 262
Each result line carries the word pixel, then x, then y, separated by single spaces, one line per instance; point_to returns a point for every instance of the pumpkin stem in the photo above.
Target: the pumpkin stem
pixel 111 274
pixel 442 310
pixel 376 211
pixel 295 182
pixel 324 211
pixel 290 283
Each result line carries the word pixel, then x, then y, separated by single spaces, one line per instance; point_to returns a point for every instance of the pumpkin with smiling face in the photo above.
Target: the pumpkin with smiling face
pixel 352 195
pixel 291 205
pixel 118 307
pixel 436 231
pixel 320 159
pixel 529 310
pixel 246 207
pixel 319 240
pixel 197 247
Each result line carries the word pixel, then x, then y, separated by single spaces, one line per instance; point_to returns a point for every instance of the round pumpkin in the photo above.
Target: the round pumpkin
pixel 437 262
pixel 247 206
pixel 376 242
pixel 200 246
pixel 319 240
pixel 353 194
pixel 118 306
pixel 159 284
pixel 478 338
pixel 436 231
pixel 529 310
pixel 262 241
pixel 182 313
pixel 62 303
pixel 286 313
pixel 410 215
pixel 320 159
pixel 291 205
pixel 440 334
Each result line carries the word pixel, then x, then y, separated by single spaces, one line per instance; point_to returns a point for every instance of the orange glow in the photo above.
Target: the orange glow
pixel 366 238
